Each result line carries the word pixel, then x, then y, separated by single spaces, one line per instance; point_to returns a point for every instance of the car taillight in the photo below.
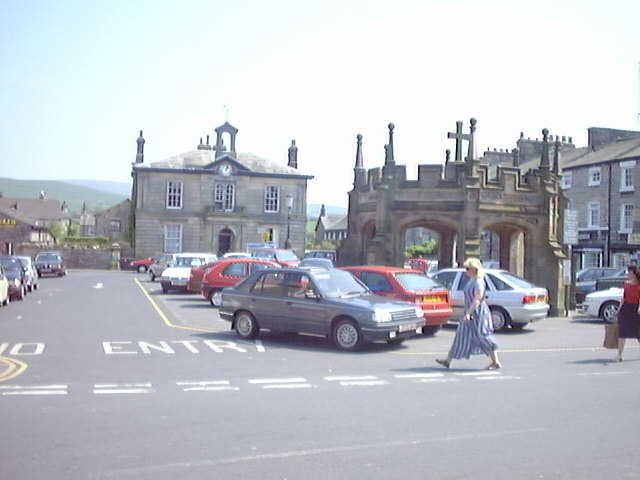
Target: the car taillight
pixel 528 299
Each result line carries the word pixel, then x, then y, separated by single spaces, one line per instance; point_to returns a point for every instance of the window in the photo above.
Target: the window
pixel 621 260
pixel 626 218
pixel 272 199
pixel 593 214
pixel 446 279
pixel 224 197
pixel 174 195
pixel 591 259
pixel 376 282
pixel 567 179
pixel 500 284
pixel 116 226
pixel 235 270
pixel 594 176
pixel 626 176
pixel 270 284
pixel 173 238
pixel 298 285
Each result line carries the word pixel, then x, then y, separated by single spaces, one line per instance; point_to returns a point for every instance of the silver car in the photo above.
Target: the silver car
pixel 331 303
pixel 31 274
pixel 513 301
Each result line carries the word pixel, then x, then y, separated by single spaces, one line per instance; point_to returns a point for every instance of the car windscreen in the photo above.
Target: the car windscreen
pixel 188 262
pixel 338 283
pixel 11 264
pixel 415 282
pixel 48 258
pixel 264 254
pixel 286 256
pixel 516 281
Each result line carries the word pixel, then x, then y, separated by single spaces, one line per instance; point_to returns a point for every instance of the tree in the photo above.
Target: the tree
pixel 427 248
pixel 58 231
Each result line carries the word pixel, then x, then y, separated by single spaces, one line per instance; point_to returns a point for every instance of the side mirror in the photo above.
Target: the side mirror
pixel 311 295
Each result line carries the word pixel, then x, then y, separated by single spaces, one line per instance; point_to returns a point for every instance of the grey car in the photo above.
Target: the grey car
pixel 30 271
pixel 331 303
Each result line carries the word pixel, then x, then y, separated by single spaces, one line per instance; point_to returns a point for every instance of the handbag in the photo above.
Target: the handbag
pixel 610 335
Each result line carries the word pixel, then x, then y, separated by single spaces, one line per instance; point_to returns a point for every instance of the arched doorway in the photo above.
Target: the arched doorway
pixel 225 241
pixel 503 245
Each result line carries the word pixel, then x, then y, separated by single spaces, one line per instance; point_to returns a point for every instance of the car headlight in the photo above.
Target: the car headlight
pixel 419 312
pixel 381 316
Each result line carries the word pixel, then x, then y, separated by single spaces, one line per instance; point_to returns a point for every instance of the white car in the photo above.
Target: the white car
pixel 177 275
pixel 603 304
pixel 236 255
pixel 513 301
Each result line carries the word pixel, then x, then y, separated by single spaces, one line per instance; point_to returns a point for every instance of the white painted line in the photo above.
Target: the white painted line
pixel 205 383
pixel 27 387
pixel 419 375
pixel 363 383
pixel 108 391
pixel 437 380
pixel 603 373
pixel 261 381
pixel 19 317
pixel 125 385
pixel 478 374
pixel 98 285
pixel 35 392
pixel 210 389
pixel 259 346
pixel 287 386
pixel 504 377
pixel 345 378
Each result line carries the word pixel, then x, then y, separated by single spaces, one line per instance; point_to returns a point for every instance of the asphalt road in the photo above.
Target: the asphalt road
pixel 102 376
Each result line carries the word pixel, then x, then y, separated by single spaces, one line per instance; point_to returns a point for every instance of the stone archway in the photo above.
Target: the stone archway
pixel 507 246
pixel 445 231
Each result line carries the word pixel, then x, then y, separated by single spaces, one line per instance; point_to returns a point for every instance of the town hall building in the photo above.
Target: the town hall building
pixel 214 199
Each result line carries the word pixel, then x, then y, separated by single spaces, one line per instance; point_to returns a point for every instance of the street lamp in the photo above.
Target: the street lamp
pixel 289 198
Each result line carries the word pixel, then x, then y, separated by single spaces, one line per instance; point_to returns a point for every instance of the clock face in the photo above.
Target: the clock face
pixel 225 169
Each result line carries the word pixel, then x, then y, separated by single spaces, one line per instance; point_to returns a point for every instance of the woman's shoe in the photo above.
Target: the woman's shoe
pixel 444 363
pixel 494 366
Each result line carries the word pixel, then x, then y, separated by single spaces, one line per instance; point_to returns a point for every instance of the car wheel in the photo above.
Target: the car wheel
pixel 35 286
pixel 7 300
pixel 153 276
pixel 21 293
pixel 499 317
pixel 165 288
pixel 431 329
pixel 346 335
pixel 215 297
pixel 395 341
pixel 142 269
pixel 245 325
pixel 608 311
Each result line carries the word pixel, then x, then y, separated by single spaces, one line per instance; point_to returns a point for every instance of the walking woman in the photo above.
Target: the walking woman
pixel 475 330
pixel 629 312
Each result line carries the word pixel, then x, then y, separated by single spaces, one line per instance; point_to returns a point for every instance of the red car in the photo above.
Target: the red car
pixel 284 258
pixel 227 273
pixel 411 286
pixel 197 274
pixel 142 265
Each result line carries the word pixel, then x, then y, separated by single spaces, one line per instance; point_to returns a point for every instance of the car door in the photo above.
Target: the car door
pixel 306 312
pixel 267 301
pixel 232 274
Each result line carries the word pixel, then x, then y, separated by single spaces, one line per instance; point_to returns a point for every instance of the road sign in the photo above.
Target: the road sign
pixel 570 227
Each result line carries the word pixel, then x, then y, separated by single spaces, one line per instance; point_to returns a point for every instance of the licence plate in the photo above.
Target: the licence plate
pixel 407 327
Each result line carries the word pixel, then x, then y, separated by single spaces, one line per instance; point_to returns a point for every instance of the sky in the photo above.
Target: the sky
pixel 78 80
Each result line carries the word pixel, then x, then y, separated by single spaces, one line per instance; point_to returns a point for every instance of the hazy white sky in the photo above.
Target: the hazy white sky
pixel 77 81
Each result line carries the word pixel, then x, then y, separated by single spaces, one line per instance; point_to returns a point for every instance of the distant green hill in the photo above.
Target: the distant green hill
pixel 74 195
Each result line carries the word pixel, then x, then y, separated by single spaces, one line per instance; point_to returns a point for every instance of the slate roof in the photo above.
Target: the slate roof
pixel 205 159
pixel 615 151
pixel 567 158
pixel 333 223
pixel 32 210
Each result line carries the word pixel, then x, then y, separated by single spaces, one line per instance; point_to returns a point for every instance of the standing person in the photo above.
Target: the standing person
pixel 629 311
pixel 475 331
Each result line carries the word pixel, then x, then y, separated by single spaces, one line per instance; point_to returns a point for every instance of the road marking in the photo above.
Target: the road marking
pixel 287 386
pixel 419 375
pixel 259 346
pixel 487 373
pixel 343 378
pixel 97 286
pixel 33 389
pixel 115 385
pixel 15 368
pixel 437 380
pixel 603 373
pixel 207 386
pixel 203 383
pixel 261 381
pixel 125 388
pixel 503 377
pixel 520 350
pixel 363 383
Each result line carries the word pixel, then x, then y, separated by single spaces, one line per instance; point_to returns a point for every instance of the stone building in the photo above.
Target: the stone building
pixel 26 221
pixel 215 199
pixel 458 201
pixel 330 228
pixel 114 222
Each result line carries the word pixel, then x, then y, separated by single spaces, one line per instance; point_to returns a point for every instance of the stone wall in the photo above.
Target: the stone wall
pixel 89 258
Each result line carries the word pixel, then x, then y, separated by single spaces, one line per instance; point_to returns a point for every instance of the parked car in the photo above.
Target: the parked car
pixel 14 272
pixel 30 271
pixel 236 255
pixel 177 275
pixel 160 265
pixel 586 280
pixel 614 281
pixel 50 263
pixel 284 258
pixel 425 265
pixel 513 301
pixel 227 273
pixel 330 254
pixel 410 286
pixel 143 264
pixel 5 298
pixel 603 304
pixel 194 285
pixel 316 262
pixel 317 301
